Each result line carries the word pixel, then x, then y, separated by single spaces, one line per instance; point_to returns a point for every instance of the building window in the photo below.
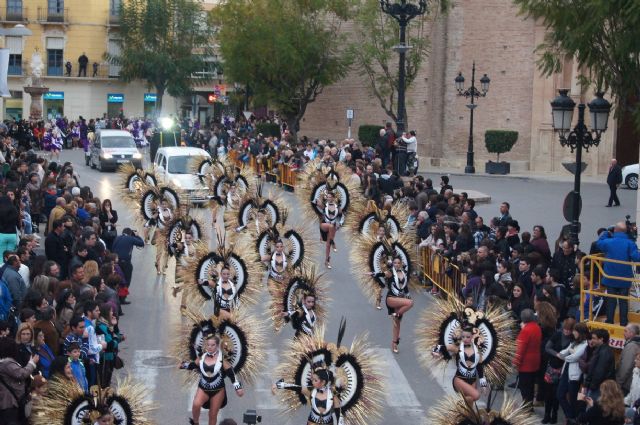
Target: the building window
pixel 56 6
pixel 14 44
pixel 114 7
pixel 54 62
pixel 114 50
pixel 15 64
pixel 14 10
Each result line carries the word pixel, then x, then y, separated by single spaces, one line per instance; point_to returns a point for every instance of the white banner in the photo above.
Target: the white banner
pixel 4 70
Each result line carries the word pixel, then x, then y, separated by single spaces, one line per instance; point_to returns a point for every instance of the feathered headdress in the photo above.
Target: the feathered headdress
pixel 66 404
pixel 289 295
pixel 357 372
pixel 442 324
pixel 456 411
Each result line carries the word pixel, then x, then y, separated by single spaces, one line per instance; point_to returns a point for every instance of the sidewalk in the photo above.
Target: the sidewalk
pixel 563 176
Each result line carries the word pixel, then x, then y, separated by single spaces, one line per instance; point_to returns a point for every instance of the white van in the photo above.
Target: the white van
pixel 112 148
pixel 174 164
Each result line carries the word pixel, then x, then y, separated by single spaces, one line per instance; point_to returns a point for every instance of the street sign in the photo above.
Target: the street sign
pixel 349 114
pixel 571 201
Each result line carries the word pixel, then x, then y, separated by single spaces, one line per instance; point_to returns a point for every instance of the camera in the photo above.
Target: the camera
pixel 250 417
pixel 632 228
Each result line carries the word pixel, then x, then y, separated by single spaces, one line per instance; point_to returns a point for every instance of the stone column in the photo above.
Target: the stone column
pixel 35 109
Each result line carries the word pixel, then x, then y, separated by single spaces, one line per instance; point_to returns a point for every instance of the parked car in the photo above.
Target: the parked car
pixel 174 164
pixel 630 176
pixel 112 148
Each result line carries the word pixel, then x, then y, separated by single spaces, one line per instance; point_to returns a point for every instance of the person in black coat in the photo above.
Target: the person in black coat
pixel 614 178
pixel 55 249
pixel 602 365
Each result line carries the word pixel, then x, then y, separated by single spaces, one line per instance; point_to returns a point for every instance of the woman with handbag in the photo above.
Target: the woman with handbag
pixel 558 342
pixel 108 218
pixel 569 384
pixel 13 377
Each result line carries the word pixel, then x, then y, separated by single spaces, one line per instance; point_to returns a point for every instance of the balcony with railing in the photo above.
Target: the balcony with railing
pixel 48 15
pixel 13 14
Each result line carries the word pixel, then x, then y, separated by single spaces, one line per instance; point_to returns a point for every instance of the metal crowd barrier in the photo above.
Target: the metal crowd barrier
pixel 592 266
pixel 282 174
pixel 443 274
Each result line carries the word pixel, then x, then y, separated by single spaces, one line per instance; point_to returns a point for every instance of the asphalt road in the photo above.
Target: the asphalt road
pixel 154 312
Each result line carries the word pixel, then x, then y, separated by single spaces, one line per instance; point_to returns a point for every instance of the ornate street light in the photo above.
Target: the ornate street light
pixel 472 92
pixel 403 12
pixel 577 139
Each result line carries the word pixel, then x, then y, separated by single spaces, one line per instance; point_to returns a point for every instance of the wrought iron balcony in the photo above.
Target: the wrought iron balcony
pixel 47 15
pixel 14 14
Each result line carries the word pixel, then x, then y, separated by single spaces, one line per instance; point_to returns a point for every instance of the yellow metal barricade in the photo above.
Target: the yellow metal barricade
pixel 446 276
pixel 592 267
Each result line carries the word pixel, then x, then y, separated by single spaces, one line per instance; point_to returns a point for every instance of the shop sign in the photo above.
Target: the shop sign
pixel 53 95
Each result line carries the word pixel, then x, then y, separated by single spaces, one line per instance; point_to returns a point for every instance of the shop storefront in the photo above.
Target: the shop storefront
pixel 53 104
pixel 115 105
pixel 150 105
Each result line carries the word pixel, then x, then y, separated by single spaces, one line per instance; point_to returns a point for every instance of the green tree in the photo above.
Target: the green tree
pixel 287 51
pixel 602 35
pixel 375 36
pixel 164 42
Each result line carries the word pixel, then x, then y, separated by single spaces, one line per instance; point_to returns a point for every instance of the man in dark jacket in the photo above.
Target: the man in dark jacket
pixel 564 261
pixel 618 246
pixel 602 365
pixel 83 61
pixel 55 249
pixel 123 246
pixel 614 178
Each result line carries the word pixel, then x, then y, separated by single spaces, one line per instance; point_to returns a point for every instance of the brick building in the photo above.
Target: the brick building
pixel 502 45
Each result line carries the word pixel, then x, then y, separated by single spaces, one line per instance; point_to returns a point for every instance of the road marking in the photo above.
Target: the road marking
pixel 264 398
pixel 399 392
pixel 143 373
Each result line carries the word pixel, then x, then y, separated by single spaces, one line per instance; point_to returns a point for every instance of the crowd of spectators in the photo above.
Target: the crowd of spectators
pixel 64 278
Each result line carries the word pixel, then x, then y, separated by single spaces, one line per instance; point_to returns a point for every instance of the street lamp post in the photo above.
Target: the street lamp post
pixel 577 139
pixel 402 12
pixel 471 92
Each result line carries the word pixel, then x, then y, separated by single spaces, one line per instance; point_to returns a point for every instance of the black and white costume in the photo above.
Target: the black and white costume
pixel 212 376
pixel 343 372
pixel 488 360
pixel 397 285
pixel 303 320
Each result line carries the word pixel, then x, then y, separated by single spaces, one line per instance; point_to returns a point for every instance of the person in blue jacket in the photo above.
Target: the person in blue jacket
pixel 616 245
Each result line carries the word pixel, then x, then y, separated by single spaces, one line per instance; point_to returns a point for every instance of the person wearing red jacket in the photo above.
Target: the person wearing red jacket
pixel 527 358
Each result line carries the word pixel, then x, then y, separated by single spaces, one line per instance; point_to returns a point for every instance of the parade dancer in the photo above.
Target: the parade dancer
pixel 480 343
pixel 390 265
pixel 330 378
pixel 215 349
pixel 220 279
pixel 398 299
pixel 330 222
pixel 211 391
pixel 158 206
pixel 328 191
pixel 300 300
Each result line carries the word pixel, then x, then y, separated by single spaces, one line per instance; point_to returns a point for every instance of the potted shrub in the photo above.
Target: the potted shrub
pixel 368 134
pixel 499 141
